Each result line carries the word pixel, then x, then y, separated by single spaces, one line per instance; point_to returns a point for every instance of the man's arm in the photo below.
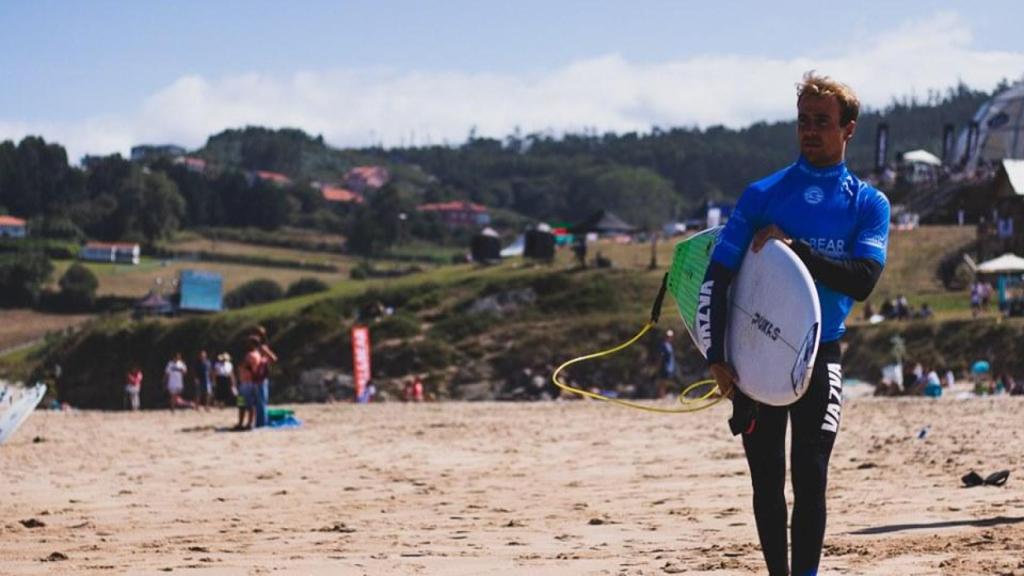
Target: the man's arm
pixel 854 277
pixel 269 353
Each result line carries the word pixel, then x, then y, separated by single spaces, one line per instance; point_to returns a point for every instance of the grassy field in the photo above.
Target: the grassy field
pixel 911 270
pixel 136 281
pixel 19 326
pixel 913 264
pixel 228 247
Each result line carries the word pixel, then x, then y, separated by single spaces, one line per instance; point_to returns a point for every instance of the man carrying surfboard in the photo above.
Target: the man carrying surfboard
pixel 838 225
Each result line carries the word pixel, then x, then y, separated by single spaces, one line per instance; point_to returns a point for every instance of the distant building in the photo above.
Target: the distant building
pixel 11 227
pixel 192 163
pixel 340 195
pixel 363 178
pixel 275 178
pixel 115 253
pixel 458 213
pixel 149 152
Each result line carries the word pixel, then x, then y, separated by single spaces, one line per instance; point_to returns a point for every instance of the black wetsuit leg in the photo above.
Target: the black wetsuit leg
pixel 815 426
pixel 765 447
pixel 815 420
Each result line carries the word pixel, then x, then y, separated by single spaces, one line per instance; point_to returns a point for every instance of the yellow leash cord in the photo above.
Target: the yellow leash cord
pixel 688 403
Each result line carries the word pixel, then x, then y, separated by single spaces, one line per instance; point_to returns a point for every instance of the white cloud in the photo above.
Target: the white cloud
pixel 360 107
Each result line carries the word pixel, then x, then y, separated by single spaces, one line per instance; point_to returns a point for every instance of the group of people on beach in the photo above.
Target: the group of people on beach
pixel 217 383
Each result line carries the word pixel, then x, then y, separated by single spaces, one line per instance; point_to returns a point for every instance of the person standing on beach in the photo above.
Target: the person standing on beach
pixel 226 386
pixel 248 371
pixel 666 365
pixel 263 382
pixel 839 227
pixel 174 380
pixel 133 387
pixel 204 381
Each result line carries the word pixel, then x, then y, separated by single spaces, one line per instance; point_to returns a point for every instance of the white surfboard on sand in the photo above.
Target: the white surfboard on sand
pixel 16 405
pixel 774 316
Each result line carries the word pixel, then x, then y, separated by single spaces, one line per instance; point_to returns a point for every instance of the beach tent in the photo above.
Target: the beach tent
pixel 201 291
pixel 921 157
pixel 486 246
pixel 602 222
pixel 1000 124
pixel 1005 264
pixel 539 245
pixel 154 303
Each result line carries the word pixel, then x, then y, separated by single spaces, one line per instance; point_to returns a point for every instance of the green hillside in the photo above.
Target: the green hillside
pixel 472 330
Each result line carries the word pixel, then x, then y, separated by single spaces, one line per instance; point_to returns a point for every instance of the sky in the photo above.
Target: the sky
pixel 101 76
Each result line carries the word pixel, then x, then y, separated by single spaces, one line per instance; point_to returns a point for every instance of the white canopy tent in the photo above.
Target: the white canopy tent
pixel 922 157
pixel 1005 264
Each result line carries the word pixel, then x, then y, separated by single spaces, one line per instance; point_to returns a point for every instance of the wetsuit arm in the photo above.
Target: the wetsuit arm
pixel 717 279
pixel 854 277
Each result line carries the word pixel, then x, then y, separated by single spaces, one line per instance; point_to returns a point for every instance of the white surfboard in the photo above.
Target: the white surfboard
pixel 16 405
pixel 774 316
pixel 774 325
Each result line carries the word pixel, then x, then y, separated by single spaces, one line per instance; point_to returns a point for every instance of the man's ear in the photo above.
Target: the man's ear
pixel 849 129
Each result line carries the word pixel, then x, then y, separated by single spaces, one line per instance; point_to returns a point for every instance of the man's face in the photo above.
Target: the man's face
pixel 822 139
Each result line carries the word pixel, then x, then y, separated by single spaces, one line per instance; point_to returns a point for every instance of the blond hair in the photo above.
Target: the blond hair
pixel 824 87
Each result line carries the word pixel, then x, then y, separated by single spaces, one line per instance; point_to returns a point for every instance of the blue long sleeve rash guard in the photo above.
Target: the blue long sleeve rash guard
pixel 829 209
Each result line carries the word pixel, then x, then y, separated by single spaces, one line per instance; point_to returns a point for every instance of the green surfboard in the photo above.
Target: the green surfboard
pixel 689 263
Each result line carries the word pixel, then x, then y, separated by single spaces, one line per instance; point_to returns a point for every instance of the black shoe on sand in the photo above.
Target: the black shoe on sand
pixel 972 479
pixel 997 478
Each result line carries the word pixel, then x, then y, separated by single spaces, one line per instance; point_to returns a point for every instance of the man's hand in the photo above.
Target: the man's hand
pixel 726 378
pixel 767 233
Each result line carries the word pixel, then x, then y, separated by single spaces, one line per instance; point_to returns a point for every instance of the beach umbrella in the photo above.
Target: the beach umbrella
pixel 980 367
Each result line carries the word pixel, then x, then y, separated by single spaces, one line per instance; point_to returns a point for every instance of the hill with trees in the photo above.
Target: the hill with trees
pixel 646 178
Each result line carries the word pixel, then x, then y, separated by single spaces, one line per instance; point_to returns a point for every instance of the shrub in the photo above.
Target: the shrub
pixel 22 275
pixel 308 285
pixel 457 327
pixel 396 326
pixel 253 292
pixel 78 287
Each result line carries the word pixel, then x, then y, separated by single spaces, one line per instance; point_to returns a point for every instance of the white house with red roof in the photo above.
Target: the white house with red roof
pixel 458 213
pixel 11 227
pixel 363 178
pixel 275 178
pixel 192 163
pixel 113 252
pixel 339 195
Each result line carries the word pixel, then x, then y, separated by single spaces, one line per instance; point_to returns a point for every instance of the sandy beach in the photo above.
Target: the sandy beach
pixel 566 488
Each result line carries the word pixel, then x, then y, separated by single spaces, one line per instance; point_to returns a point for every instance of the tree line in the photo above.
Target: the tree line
pixel 647 178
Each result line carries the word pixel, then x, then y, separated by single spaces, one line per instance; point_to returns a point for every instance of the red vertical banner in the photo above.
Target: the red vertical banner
pixel 360 360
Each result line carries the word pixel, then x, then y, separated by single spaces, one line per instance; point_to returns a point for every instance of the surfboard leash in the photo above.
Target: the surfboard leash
pixel 688 404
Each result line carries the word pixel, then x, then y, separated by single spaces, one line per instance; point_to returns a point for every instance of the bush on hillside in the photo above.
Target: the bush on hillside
pixel 253 292
pixel 78 287
pixel 22 275
pixel 307 285
pixel 396 326
pixel 458 327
